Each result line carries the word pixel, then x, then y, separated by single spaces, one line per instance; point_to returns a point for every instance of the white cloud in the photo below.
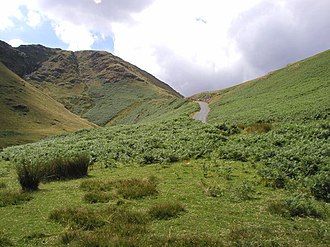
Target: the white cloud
pixel 33 18
pixel 78 37
pixel 169 35
pixel 8 12
pixel 15 42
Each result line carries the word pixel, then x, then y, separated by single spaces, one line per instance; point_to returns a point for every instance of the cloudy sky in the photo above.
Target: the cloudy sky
pixel 193 45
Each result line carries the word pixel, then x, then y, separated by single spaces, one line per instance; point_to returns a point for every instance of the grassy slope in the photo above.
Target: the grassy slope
pixel 105 89
pixel 299 91
pixel 28 114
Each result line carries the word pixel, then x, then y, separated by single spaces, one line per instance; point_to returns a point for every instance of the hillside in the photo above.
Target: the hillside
pixel 300 91
pixel 95 84
pixel 27 114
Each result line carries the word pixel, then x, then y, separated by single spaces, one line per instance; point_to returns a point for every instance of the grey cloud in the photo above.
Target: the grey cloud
pixel 270 37
pixel 98 16
pixel 266 36
pixel 189 78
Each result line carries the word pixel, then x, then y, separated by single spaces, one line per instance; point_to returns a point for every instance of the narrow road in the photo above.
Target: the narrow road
pixel 203 113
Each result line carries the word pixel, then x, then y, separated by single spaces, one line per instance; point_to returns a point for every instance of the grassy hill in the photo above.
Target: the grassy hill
pixel 95 84
pixel 257 175
pixel 300 91
pixel 28 114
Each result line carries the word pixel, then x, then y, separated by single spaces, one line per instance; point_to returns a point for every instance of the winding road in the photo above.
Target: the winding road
pixel 203 113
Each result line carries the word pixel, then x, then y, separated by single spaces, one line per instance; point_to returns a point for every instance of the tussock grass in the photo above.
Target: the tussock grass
pixel 8 197
pixel 99 197
pixel 30 175
pixel 67 168
pixel 119 226
pixel 77 218
pixel 166 210
pixel 97 185
pixel 134 188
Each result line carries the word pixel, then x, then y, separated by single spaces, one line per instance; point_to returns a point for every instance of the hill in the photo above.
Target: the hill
pixel 28 114
pixel 297 92
pixel 94 84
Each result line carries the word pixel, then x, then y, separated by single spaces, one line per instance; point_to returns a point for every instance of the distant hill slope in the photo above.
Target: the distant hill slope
pixel 27 114
pixel 300 91
pixel 94 84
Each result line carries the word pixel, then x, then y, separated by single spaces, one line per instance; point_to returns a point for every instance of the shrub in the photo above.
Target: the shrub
pixel 134 188
pixel 245 191
pixel 213 189
pixel 228 129
pixel 29 175
pixel 297 205
pixel 166 210
pixel 320 187
pixel 13 198
pixel 67 168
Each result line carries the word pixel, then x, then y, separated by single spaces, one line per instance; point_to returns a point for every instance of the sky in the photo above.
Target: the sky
pixel 192 45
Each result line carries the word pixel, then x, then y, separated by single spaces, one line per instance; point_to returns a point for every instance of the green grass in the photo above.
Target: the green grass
pixel 209 220
pixel 298 92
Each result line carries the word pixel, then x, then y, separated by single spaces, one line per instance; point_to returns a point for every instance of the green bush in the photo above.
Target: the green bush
pixel 166 210
pixel 320 187
pixel 297 205
pixel 244 191
pixel 13 198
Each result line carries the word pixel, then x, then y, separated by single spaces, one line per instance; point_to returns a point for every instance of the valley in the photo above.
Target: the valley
pixel 137 169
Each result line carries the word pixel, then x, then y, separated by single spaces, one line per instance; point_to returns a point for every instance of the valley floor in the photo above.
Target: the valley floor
pixel 224 203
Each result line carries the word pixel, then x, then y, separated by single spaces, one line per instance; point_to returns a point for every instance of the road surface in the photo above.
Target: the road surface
pixel 203 113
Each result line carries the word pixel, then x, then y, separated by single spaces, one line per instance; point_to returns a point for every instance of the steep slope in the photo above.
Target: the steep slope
pixel 27 114
pixel 298 92
pixel 95 84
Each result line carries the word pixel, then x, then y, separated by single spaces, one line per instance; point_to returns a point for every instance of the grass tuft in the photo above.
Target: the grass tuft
pixel 98 197
pixel 134 188
pixel 166 210
pixel 77 218
pixel 13 198
pixel 29 175
pixel 67 168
